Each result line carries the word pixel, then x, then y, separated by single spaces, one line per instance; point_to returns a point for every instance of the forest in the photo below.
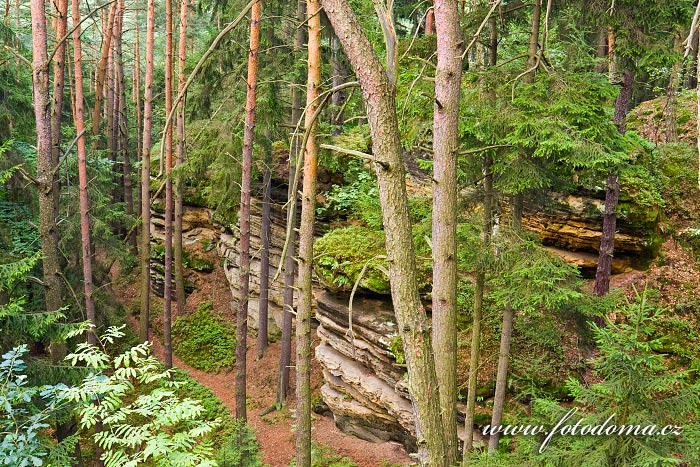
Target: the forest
pixel 349 233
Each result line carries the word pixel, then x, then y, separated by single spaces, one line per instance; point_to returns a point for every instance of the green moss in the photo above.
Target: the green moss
pixel 205 340
pixel 343 253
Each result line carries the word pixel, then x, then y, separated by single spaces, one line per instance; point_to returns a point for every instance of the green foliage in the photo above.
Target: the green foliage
pixel 240 449
pixel 342 255
pixel 323 456
pixel 189 259
pixel 636 386
pixel 204 340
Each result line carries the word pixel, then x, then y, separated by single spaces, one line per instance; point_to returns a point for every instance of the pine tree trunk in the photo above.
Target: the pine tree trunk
pixel 167 275
pixel 79 119
pixel 100 78
pixel 339 76
pixel 289 262
pixel 501 377
pixel 445 142
pixel 59 65
pixel 413 325
pixel 265 248
pixel 429 21
pixel 179 159
pixel 136 98
pixel 612 193
pixel 244 244
pixel 306 241
pixel 44 166
pixel 146 176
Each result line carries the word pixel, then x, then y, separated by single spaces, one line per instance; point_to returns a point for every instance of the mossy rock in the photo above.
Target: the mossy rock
pixel 342 254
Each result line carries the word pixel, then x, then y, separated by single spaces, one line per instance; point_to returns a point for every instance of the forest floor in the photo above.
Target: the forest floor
pixel 274 431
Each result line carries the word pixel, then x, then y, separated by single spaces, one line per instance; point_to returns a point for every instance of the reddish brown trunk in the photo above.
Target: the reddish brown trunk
pixel 146 177
pixel 167 275
pixel 59 65
pixel 244 259
pixel 100 78
pixel 429 20
pixel 44 166
pixel 306 241
pixel 136 90
pixel 445 142
pixel 180 156
pixel 79 119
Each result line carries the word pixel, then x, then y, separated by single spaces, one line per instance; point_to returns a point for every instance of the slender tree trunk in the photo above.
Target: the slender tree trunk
pixel 534 41
pixel 44 166
pixel 501 377
pixel 146 176
pixel 306 240
pixel 167 275
pixel 59 65
pixel 448 79
pixel 123 128
pixel 180 157
pixel 480 289
pixel 79 119
pixel 289 262
pixel 244 245
pixel 671 108
pixel 100 78
pixel 265 248
pixel 136 91
pixel 612 193
pixel 429 21
pixel 412 323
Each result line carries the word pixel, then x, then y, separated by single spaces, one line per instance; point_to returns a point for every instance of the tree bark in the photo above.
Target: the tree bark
pixel 289 262
pixel 448 79
pixel 100 78
pixel 414 327
pixel 244 244
pixel 59 66
pixel 167 275
pixel 612 193
pixel 44 166
pixel 136 98
pixel 146 176
pixel 179 159
pixel 79 119
pixel 501 377
pixel 265 248
pixel 339 76
pixel 306 240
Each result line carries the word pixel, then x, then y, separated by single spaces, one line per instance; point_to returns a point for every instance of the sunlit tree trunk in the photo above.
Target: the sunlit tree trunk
pixel 59 66
pixel 378 93
pixel 306 240
pixel 179 159
pixel 289 263
pixel 244 244
pixel 448 77
pixel 146 176
pixel 44 166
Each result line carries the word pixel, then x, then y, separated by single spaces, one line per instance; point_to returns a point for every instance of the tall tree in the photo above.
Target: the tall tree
pixel 306 239
pixel 59 68
pixel 378 91
pixel 448 79
pixel 146 176
pixel 168 260
pixel 79 119
pixel 44 165
pixel 244 243
pixel 265 231
pixel 101 74
pixel 179 159
pixel 289 262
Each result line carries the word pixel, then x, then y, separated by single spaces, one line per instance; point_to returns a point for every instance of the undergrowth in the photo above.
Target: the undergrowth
pixel 204 340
